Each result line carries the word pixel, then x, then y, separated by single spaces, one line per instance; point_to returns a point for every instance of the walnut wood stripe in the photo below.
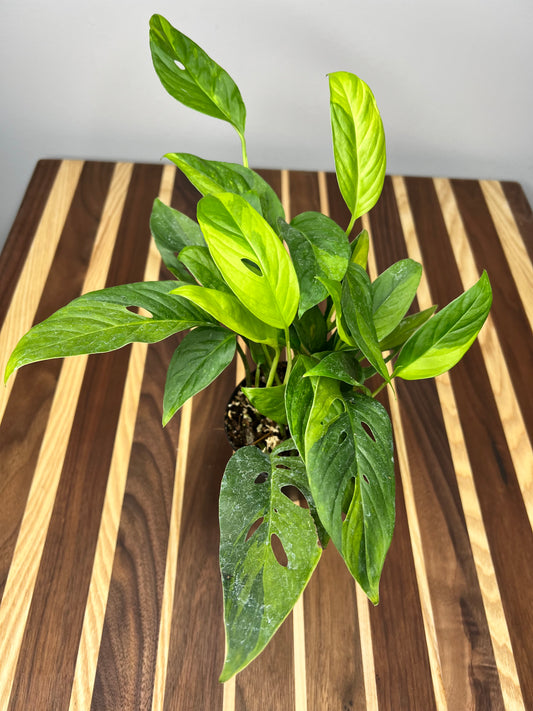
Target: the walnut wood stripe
pixel 103 559
pixel 473 516
pixel 35 271
pixel 27 556
pixel 522 212
pixel 413 523
pixel 511 241
pixel 504 392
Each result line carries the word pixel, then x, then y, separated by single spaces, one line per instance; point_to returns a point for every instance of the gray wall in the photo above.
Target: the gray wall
pixel 452 80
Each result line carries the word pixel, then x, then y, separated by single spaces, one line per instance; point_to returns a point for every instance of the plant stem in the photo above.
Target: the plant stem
pixel 245 363
pixel 273 368
pixel 244 152
pixel 379 389
pixel 289 354
pixel 350 226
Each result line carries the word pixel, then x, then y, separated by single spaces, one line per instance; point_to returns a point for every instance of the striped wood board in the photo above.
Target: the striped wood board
pixel 109 585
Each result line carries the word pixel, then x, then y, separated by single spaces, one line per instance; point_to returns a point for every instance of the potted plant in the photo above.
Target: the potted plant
pixel 249 284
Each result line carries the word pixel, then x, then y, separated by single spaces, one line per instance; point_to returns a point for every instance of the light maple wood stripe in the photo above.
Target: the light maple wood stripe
pixel 94 616
pixel 504 393
pixel 414 525
pixel 492 603
pixel 34 526
pixel 367 650
pixel 323 193
pixel 511 240
pixel 33 277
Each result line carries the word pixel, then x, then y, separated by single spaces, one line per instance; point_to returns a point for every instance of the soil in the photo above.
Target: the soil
pixel 245 426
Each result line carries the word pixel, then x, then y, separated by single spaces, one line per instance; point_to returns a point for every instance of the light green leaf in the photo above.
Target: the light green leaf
pixel 200 358
pixel 392 294
pixel 443 340
pixel 327 406
pixel 359 248
pixel 299 397
pixel 358 142
pixel 211 177
pixel 334 289
pixel 227 309
pixel 405 329
pixel 351 472
pixel 200 263
pixel 319 248
pixel 269 401
pixel 101 321
pixel 242 243
pixel 357 311
pixel 339 365
pixel 172 231
pixel 192 77
pixel 259 591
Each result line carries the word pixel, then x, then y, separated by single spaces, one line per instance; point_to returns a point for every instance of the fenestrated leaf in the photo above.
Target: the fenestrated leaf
pixel 172 231
pixel 443 340
pixel 101 321
pixel 340 365
pixel 354 458
pixel 211 177
pixel 392 293
pixel 406 328
pixel 319 248
pixel 227 309
pixel 200 358
pixel 299 400
pixel 358 142
pixel 192 77
pixel 359 248
pixel 239 239
pixel 269 401
pixel 259 591
pixel 357 311
pixel 200 263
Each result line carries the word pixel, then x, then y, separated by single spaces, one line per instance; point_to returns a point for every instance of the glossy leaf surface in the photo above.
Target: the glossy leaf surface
pixel 242 243
pixel 211 177
pixel 101 321
pixel 443 340
pixel 192 77
pixel 259 591
pixel 269 401
pixel 200 358
pixel 173 231
pixel 340 365
pixel 299 397
pixel 200 263
pixel 360 247
pixel 227 309
pixel 406 328
pixel 358 142
pixel 392 294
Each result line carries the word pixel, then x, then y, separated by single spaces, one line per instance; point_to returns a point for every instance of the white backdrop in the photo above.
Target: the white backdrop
pixel 453 80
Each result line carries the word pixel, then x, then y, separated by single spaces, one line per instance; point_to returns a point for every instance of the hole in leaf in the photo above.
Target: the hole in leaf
pixel 343 517
pixel 366 478
pixel 252 266
pixel 278 550
pixel 261 478
pixel 139 311
pixel 253 528
pixel 179 65
pixel 368 431
pixel 342 437
pixel 288 453
pixel 295 495
pixel 282 466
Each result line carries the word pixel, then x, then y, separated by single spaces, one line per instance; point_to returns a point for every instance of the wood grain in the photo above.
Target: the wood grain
pixel 110 593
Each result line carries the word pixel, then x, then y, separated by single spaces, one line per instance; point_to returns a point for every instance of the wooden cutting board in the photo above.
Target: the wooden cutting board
pixel 109 586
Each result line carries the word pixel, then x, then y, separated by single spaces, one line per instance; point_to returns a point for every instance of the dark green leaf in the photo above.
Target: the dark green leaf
pixel 236 236
pixel 200 358
pixel 392 294
pixel 443 340
pixel 269 402
pixel 406 328
pixel 311 330
pixel 358 142
pixel 192 77
pixel 299 400
pixel 351 472
pixel 172 231
pixel 334 289
pixel 259 591
pixel 227 309
pixel 101 321
pixel 340 365
pixel 211 177
pixel 200 263
pixel 357 310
